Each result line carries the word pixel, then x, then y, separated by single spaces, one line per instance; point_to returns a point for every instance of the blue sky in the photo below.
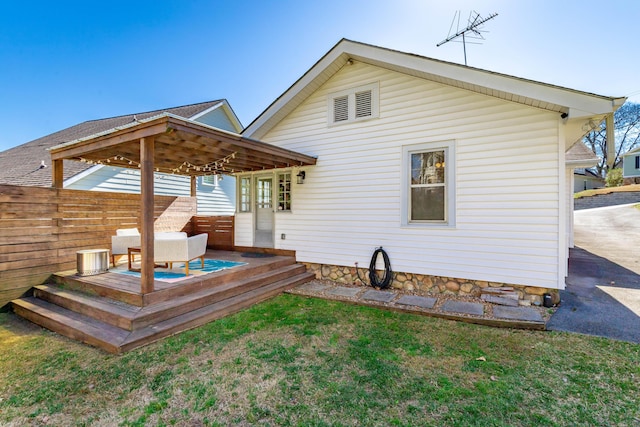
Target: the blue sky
pixel 65 62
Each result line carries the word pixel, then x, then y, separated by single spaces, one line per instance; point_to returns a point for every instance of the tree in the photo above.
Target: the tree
pixel 626 122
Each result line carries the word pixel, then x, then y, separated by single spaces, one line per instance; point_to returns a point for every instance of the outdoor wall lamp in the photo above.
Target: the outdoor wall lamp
pixel 301 175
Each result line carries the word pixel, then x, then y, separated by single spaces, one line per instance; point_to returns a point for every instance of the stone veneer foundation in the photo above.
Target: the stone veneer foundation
pixel 426 284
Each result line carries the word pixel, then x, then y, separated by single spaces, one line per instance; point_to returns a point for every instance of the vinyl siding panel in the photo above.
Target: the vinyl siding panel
pixel 507 180
pixel 218 200
pixel 217 118
pixel 244 229
pixel 629 166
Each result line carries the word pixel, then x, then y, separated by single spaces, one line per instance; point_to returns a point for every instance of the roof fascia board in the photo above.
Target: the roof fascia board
pixel 77 177
pixel 579 102
pixel 576 103
pixel 582 163
pixel 634 151
pixel 224 105
pixel 207 111
pixel 109 138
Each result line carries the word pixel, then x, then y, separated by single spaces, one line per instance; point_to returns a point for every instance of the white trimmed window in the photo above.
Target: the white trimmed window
pixel 245 194
pixel 284 191
pixel 211 180
pixel 354 104
pixel 428 193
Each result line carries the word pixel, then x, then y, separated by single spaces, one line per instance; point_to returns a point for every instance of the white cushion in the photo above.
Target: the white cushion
pixel 127 232
pixel 170 235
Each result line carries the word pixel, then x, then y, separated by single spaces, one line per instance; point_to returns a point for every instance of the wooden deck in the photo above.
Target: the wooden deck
pixel 109 311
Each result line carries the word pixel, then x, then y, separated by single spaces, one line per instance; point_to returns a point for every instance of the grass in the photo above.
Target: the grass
pixel 293 361
pixel 607 190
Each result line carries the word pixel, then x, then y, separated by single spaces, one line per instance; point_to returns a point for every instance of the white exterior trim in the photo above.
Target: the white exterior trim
pixel 574 103
pixel 207 111
pixel 450 184
pixel 350 94
pixel 81 175
pixel 231 115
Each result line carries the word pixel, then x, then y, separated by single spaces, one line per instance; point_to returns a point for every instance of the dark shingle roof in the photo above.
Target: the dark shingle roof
pixel 21 165
pixel 580 153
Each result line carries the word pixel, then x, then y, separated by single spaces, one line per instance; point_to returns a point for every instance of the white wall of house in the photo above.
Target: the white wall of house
pixel 507 162
pixel 584 181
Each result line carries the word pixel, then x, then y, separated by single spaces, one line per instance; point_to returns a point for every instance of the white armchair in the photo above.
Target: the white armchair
pixel 125 238
pixel 170 248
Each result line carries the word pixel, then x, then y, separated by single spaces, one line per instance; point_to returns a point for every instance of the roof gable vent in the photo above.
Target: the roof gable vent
pixel 363 104
pixel 341 109
pixel 354 104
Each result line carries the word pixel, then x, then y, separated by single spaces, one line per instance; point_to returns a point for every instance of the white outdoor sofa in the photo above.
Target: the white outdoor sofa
pixel 168 247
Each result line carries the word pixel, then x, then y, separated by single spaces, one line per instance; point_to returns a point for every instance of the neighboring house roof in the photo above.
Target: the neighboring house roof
pixel 588 173
pixel 571 104
pixel 580 156
pixel 21 165
pixel 630 152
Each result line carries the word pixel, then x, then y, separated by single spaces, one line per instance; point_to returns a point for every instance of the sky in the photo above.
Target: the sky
pixel 65 62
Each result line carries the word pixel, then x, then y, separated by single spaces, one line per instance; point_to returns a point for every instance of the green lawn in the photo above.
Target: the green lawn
pixel 309 362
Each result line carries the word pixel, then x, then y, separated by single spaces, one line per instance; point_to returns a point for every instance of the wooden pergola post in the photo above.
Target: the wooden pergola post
pixel 193 186
pixel 57 173
pixel 147 151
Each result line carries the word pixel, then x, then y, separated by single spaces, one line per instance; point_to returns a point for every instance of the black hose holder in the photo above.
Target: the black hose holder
pixel 375 281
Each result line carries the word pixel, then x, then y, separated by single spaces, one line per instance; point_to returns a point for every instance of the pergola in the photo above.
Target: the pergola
pixel 171 144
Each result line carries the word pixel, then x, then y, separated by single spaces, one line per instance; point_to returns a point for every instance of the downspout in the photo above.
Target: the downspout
pixel 563 223
pixel 611 142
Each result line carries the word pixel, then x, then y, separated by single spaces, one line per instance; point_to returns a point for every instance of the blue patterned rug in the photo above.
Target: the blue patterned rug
pixel 177 273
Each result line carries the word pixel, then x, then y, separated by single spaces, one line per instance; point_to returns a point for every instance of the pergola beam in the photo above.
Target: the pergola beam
pixel 113 139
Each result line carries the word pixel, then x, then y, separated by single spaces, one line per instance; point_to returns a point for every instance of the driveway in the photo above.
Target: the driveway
pixel 603 287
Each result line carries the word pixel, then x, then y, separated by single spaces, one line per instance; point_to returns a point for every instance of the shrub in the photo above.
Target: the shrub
pixel 614 178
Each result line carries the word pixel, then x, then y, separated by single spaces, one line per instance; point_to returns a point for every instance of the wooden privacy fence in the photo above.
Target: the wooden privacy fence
pixel 220 229
pixel 42 228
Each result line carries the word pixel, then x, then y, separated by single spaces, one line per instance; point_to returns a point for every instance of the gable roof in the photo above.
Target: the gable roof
pixel 573 103
pixel 21 165
pixel 634 151
pixel 580 156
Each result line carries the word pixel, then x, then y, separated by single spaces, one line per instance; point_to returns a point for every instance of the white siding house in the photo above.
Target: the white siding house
pixel 457 172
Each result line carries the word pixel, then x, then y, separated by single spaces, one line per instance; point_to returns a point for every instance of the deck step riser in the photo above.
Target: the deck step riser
pixel 225 277
pixel 77 284
pixel 115 340
pixel 104 315
pixel 134 318
pixel 246 300
pixel 93 285
pixel 60 326
pixel 223 292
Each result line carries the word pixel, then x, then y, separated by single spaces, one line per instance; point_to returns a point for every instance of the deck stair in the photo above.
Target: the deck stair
pixel 118 320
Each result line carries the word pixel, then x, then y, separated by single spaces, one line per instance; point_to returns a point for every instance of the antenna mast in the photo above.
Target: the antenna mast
pixel 474 27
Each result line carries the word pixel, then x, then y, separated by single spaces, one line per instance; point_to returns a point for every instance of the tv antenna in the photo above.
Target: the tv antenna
pixel 472 31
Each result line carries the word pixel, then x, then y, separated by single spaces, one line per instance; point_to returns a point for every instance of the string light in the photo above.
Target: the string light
pixel 214 168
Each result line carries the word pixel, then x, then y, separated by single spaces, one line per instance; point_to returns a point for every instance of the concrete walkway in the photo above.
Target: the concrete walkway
pixel 447 307
pixel 602 297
